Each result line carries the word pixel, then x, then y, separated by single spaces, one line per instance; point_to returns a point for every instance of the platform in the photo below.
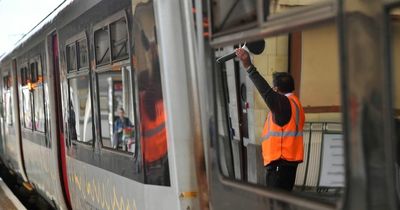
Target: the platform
pixel 8 201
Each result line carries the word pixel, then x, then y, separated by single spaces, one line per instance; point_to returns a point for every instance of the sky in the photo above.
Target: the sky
pixel 18 17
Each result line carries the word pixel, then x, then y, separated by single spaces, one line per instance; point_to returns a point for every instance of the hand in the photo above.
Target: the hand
pixel 244 57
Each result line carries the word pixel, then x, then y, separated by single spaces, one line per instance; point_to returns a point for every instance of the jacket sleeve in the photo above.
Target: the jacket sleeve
pixel 276 102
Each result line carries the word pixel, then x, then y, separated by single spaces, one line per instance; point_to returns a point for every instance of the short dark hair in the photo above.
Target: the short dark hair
pixel 283 81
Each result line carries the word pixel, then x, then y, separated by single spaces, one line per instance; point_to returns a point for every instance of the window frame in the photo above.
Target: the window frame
pixel 7 84
pixel 79 72
pixel 111 66
pixel 25 79
pixel 37 60
pixel 121 15
pixel 74 41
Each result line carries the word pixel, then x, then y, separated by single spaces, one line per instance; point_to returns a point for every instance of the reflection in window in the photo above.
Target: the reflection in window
pixel 39 118
pixel 80 110
pixel 27 107
pixel 151 107
pixel 119 39
pixel 7 100
pixel 116 110
pixel 71 57
pixel 34 71
pixel 102 46
pixel 8 108
pixel 83 54
pixel 25 76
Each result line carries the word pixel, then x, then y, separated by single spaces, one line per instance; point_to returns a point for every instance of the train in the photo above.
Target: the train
pixel 119 104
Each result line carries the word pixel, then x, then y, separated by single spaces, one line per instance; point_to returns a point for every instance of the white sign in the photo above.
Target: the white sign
pixel 332 167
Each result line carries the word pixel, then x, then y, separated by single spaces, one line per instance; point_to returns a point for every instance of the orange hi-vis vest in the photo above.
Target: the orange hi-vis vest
pixel 284 142
pixel 154 134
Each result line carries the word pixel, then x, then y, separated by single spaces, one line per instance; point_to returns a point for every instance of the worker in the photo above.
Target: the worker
pixel 282 136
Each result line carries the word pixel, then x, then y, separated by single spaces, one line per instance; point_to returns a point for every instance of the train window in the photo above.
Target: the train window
pixel 80 109
pixel 25 76
pixel 102 46
pixel 8 108
pixel 27 107
pixel 7 100
pixel 71 57
pixel 252 115
pixel 34 71
pixel 153 132
pixel 83 54
pixel 119 39
pixel 232 16
pixel 38 97
pixel 6 82
pixel 116 109
pixel 27 99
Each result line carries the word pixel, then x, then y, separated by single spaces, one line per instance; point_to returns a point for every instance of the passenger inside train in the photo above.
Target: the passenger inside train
pixel 123 131
pixel 151 105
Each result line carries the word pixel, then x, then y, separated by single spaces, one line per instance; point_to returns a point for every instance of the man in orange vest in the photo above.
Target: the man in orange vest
pixel 282 137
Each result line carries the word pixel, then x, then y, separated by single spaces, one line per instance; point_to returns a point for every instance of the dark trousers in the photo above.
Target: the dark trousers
pixel 281 176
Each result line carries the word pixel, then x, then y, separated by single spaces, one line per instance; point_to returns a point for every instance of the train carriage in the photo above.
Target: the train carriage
pixel 121 105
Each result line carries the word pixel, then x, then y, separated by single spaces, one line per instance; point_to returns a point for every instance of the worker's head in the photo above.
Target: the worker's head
pixel 283 82
pixel 121 112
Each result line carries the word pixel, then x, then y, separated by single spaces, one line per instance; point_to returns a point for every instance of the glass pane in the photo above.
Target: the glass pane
pixel 116 110
pixel 6 82
pixel 71 57
pixel 80 110
pixel 284 6
pixel 27 107
pixel 8 108
pixel 34 71
pixel 38 95
pixel 102 46
pixel 229 16
pixel 83 54
pixel 151 107
pixel 119 39
pixel 273 122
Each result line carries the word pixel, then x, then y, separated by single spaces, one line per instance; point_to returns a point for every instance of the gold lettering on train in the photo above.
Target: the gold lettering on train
pixel 94 190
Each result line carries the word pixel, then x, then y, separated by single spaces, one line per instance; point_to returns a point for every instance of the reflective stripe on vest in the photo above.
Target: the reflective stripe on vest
pixel 151 132
pixel 286 133
pixel 282 134
pixel 284 142
pixel 154 133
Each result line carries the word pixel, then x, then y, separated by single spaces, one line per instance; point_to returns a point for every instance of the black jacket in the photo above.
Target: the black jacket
pixel 278 104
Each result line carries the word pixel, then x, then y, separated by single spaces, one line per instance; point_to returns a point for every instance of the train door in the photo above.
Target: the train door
pixel 57 118
pixel 7 115
pixel 13 140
